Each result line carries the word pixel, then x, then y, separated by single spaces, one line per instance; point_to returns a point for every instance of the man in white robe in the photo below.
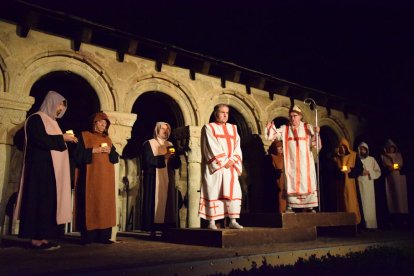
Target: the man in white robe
pixel 220 191
pixel 298 139
pixel 370 173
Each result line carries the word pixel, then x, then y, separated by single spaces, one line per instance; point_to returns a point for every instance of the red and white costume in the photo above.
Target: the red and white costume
pixel 220 191
pixel 299 163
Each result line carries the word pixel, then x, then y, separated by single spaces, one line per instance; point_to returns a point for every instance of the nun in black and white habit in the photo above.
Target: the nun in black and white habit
pixel 158 164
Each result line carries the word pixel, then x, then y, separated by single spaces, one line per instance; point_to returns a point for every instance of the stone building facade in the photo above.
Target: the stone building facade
pixel 118 85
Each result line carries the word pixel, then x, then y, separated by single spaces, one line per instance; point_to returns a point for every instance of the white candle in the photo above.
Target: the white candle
pixel 104 144
pixel 70 132
pixel 344 168
pixel 396 166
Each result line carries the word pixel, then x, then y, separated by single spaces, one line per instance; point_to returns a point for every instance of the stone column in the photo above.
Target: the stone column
pixel 119 132
pixel 13 108
pixel 188 139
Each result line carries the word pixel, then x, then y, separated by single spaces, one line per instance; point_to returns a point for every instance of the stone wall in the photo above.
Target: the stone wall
pixel 23 61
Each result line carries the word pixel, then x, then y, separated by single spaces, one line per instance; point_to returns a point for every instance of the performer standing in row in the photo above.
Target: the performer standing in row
pixel 298 139
pixel 371 171
pixel 44 204
pixel 95 156
pixel 158 163
pixel 220 191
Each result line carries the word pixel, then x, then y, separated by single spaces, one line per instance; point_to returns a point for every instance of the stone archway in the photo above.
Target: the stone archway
pixel 163 83
pixel 40 66
pixel 150 107
pixel 82 98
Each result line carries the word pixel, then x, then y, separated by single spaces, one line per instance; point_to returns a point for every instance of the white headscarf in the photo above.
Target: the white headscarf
pixel 51 102
pixel 158 126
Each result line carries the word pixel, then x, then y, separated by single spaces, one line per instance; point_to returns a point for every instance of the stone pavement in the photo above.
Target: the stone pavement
pixel 138 254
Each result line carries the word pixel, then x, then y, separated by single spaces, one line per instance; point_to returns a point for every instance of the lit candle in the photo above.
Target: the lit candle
pixel 171 150
pixel 104 144
pixel 70 132
pixel 344 168
pixel 396 166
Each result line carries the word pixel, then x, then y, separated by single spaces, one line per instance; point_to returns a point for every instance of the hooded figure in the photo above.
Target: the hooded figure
pixel 158 162
pixel 44 203
pixel 395 182
pixel 95 156
pixel 371 172
pixel 276 152
pixel 349 167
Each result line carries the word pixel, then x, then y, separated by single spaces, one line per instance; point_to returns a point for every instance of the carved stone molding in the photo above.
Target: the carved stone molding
pixel 13 108
pixel 188 140
pixel 121 126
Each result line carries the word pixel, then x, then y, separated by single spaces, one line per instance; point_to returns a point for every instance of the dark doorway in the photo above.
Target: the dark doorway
pixel 326 183
pixel 280 121
pixel 150 107
pixel 81 97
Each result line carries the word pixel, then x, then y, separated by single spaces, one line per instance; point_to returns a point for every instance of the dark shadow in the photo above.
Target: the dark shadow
pixel 327 187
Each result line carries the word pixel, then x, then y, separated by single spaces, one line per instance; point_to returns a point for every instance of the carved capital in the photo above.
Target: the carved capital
pixel 120 130
pixel 13 108
pixel 188 140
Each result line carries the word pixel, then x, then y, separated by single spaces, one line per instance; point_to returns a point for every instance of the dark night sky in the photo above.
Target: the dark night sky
pixel 363 50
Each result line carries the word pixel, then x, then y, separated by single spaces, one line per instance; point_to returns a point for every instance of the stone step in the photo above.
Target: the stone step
pixel 340 223
pixel 238 237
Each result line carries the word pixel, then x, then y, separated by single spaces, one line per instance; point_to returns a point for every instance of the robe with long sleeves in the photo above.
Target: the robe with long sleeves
pixel 367 190
pixel 95 186
pixel 395 182
pixel 220 191
pixel 44 195
pixel 301 185
pixel 345 181
pixel 278 164
pixel 158 185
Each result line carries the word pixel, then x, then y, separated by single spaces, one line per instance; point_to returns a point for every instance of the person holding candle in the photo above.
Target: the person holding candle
pixel 159 160
pixel 298 141
pixel 349 167
pixel 371 171
pixel 95 156
pixel 395 181
pixel 44 203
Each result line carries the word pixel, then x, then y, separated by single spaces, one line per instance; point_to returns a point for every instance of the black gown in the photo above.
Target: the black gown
pixel 150 163
pixel 38 203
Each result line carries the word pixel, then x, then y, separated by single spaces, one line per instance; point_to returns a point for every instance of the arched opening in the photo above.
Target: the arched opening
pixel 81 97
pixel 326 183
pixel 151 107
pixel 280 121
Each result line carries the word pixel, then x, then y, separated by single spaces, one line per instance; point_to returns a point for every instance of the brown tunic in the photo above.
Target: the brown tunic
pixel 100 185
pixel 347 191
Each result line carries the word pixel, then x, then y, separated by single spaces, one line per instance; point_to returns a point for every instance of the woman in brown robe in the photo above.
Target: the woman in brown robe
pixel 276 152
pixel 349 167
pixel 95 157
